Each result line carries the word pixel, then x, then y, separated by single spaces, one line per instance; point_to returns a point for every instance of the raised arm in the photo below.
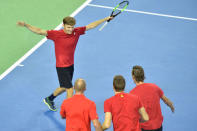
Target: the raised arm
pixel 107 121
pixel 96 23
pixel 168 102
pixel 143 114
pixel 32 28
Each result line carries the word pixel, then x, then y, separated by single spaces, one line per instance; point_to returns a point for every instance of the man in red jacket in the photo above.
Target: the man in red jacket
pixel 150 94
pixel 124 109
pixel 79 110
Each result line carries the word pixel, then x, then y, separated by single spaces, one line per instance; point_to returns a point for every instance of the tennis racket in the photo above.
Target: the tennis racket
pixel 116 11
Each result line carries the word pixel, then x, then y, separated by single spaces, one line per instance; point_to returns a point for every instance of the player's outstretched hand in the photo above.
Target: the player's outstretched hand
pixel 172 109
pixel 111 18
pixel 21 23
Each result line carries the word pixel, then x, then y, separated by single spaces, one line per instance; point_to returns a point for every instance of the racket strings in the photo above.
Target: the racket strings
pixel 117 11
pixel 120 8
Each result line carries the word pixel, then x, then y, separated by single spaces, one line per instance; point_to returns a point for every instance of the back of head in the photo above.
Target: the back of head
pixel 80 85
pixel 69 21
pixel 119 83
pixel 138 73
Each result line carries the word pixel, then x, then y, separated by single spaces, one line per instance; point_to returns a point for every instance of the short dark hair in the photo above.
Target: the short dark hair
pixel 138 73
pixel 69 21
pixel 119 83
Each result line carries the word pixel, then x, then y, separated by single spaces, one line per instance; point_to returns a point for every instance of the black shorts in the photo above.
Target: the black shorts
pixel 160 129
pixel 65 76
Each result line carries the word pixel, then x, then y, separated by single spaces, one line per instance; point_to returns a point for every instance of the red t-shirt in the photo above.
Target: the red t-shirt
pixel 65 45
pixel 78 111
pixel 124 108
pixel 150 95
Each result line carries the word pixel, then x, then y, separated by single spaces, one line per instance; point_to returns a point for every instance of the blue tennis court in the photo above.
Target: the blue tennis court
pixel 161 36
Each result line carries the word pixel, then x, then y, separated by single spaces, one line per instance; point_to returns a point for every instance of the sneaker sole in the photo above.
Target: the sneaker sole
pixel 49 106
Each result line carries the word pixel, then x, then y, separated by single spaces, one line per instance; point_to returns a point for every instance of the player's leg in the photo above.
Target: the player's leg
pixel 49 100
pixel 69 92
pixel 65 75
pixel 59 91
pixel 69 86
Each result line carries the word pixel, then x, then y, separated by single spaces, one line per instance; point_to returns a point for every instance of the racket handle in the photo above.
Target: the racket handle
pixel 103 26
pixel 111 16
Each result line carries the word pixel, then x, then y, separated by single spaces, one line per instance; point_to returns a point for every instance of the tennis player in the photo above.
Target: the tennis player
pixel 80 111
pixel 65 41
pixel 150 94
pixel 124 109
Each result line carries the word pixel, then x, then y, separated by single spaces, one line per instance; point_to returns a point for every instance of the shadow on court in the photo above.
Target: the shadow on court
pixel 51 115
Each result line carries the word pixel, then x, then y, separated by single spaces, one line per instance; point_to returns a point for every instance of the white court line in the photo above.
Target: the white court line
pixel 148 13
pixel 40 43
pixel 20 65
